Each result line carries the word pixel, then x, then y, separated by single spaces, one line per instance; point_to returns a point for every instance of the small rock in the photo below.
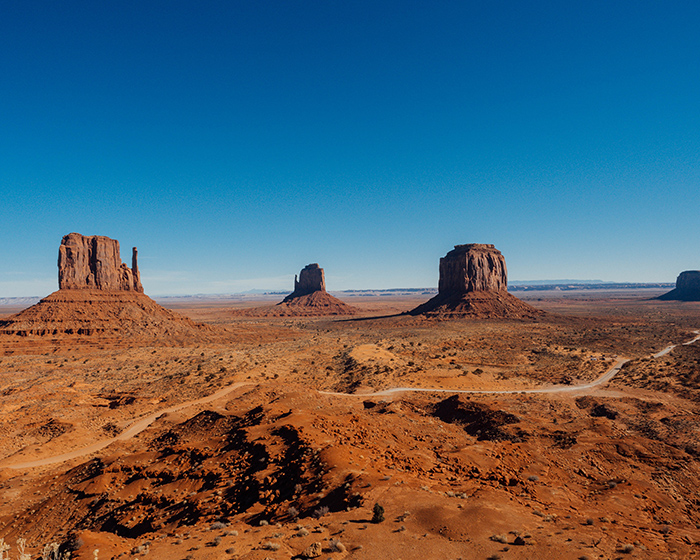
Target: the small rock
pixel 314 550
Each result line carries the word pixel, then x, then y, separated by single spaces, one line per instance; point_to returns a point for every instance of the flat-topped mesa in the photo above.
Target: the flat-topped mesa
pixel 311 279
pixel 94 263
pixel 476 267
pixel 687 287
pixel 474 283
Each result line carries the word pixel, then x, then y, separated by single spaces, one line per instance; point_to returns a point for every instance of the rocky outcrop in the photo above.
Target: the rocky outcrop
pixel 309 299
pixel 687 287
pixel 94 263
pixel 311 279
pixel 476 267
pixel 474 283
pixel 99 295
pixel 92 312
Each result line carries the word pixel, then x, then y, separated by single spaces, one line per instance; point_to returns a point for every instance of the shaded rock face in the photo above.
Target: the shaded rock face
pixel 311 279
pixel 687 287
pixel 688 281
pixel 94 263
pixel 476 267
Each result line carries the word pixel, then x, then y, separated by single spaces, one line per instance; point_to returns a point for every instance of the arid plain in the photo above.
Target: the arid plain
pixel 104 445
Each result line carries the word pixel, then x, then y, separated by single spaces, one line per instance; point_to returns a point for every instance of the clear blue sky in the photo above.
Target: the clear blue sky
pixel 236 142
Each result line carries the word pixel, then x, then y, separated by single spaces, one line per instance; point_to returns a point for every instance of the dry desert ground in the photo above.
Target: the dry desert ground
pixel 278 438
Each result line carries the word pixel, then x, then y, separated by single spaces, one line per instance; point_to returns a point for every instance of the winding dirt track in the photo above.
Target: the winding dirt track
pixel 141 424
pixel 135 428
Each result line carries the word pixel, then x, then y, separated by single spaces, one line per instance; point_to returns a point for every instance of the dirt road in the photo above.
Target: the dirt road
pixel 135 428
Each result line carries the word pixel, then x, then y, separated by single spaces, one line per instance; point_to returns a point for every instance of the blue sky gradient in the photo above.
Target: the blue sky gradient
pixel 236 142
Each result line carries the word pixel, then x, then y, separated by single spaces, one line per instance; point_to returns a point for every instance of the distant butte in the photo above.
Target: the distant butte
pixel 474 283
pixel 309 299
pixel 98 294
pixel 311 279
pixel 687 287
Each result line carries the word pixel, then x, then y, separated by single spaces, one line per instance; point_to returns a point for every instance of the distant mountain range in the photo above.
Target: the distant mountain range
pixel 552 282
pixel 565 285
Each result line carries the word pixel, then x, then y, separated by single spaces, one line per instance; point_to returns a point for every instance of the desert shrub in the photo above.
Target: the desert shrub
pixel 337 546
pixel 292 512
pixel 320 512
pixel 50 552
pixel 377 514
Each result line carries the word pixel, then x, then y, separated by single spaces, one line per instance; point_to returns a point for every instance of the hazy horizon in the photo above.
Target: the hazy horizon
pixel 289 289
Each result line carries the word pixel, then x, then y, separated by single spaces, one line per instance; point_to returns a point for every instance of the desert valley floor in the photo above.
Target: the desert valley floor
pixel 274 438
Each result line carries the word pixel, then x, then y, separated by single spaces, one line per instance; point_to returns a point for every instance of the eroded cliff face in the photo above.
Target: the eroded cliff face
pixel 93 262
pixel 476 267
pixel 311 279
pixel 474 283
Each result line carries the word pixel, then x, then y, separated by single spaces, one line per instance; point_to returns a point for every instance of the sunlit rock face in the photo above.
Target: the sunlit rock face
pixel 476 267
pixel 474 283
pixel 94 263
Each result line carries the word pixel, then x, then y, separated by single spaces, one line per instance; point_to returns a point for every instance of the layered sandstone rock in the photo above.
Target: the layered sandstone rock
pixel 311 279
pixel 92 312
pixel 476 267
pixel 474 283
pixel 93 262
pixel 687 287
